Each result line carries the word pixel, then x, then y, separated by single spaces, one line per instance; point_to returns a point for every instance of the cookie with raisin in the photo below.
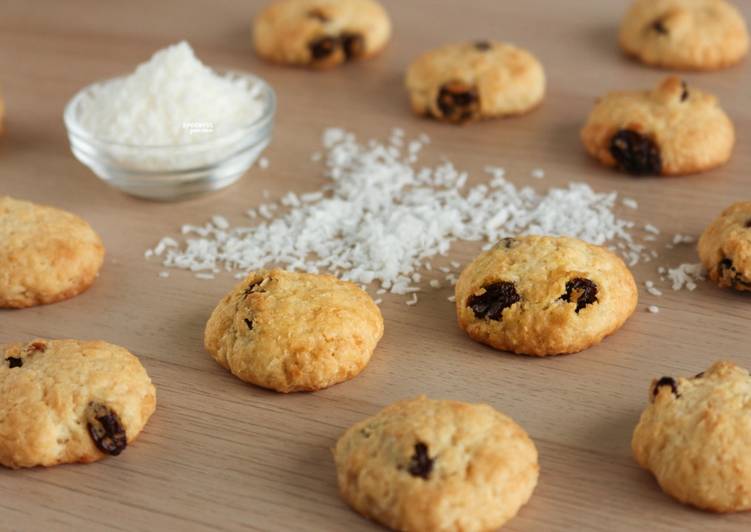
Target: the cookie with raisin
pixel 65 401
pixel 685 34
pixel 458 83
pixel 675 129
pixel 46 254
pixel 320 33
pixel 725 248
pixel 425 464
pixel 695 438
pixel 542 295
pixel 292 332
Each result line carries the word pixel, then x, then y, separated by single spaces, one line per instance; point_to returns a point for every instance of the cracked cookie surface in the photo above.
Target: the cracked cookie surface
pixel 429 465
pixel 46 254
pixel 458 83
pixel 294 332
pixel 695 438
pixel 64 401
pixel 674 129
pixel 540 295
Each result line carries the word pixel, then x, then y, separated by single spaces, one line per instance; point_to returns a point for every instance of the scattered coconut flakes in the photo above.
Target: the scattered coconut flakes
pixel 163 275
pixel 381 216
pixel 652 289
pixel 378 301
pixel 649 228
pixel 435 283
pixel 631 203
pixel 263 163
pixel 412 301
pixel 683 239
pixel 205 276
pixel 451 298
pixel 686 275
pixel 654 309
pixel 538 173
pixel 219 222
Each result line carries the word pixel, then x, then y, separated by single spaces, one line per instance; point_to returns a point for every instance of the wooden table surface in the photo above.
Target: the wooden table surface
pixel 220 454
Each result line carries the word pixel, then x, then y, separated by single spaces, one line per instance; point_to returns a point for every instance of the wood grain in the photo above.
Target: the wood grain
pixel 219 454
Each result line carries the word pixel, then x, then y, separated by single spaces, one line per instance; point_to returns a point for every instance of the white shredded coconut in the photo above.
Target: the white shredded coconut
pixel 538 173
pixel 263 163
pixel 382 216
pixel 171 99
pixel 654 309
pixel 683 239
pixel 652 289
pixel 163 275
pixel 685 275
pixel 630 203
pixel 412 301
pixel 649 228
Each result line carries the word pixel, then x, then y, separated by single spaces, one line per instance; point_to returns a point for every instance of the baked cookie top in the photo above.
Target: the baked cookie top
pixel 294 332
pixel 46 254
pixel 461 82
pixel 437 465
pixel 675 129
pixel 685 34
pixel 320 33
pixel 64 401
pixel 725 247
pixel 542 295
pixel 695 437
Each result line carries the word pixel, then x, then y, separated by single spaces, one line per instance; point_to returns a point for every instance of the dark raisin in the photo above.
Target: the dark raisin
pixel 496 298
pixel 659 26
pixel 318 15
pixel 726 270
pixel 635 153
pixel 353 45
pixel 699 375
pixel 666 381
pixel 507 243
pixel 458 102
pixel 14 362
pixel 582 291
pixel 249 323
pixel 106 429
pixel 34 347
pixel 483 46
pixel 323 47
pixel 748 224
pixel 684 92
pixel 420 465
pixel 252 287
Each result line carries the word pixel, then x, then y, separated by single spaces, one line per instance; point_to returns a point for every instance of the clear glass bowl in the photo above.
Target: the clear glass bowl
pixel 177 171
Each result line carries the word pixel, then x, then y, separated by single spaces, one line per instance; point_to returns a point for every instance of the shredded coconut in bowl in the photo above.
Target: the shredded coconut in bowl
pixel 172 99
pixel 382 217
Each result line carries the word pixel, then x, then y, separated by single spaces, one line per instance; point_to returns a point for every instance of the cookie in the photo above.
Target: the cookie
pixel 685 34
pixel 542 295
pixel 426 465
pixel 294 332
pixel 46 254
pixel 675 129
pixel 695 438
pixel 64 401
pixel 725 248
pixel 468 81
pixel 320 33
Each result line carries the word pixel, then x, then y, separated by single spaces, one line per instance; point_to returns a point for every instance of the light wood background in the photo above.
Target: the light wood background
pixel 220 454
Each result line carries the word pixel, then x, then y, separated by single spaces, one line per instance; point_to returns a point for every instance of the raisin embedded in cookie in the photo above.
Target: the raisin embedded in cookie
pixel 46 254
pixel 65 401
pixel 725 248
pixel 675 129
pixel 685 34
pixel 437 465
pixel 540 295
pixel 320 33
pixel 695 438
pixel 462 82
pixel 294 332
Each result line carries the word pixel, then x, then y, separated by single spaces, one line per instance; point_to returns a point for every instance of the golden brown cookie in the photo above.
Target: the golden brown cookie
pixel 542 295
pixel 685 34
pixel 64 401
pixel 435 466
pixel 46 254
pixel 320 33
pixel 725 247
pixel 675 129
pixel 294 332
pixel 695 438
pixel 484 79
